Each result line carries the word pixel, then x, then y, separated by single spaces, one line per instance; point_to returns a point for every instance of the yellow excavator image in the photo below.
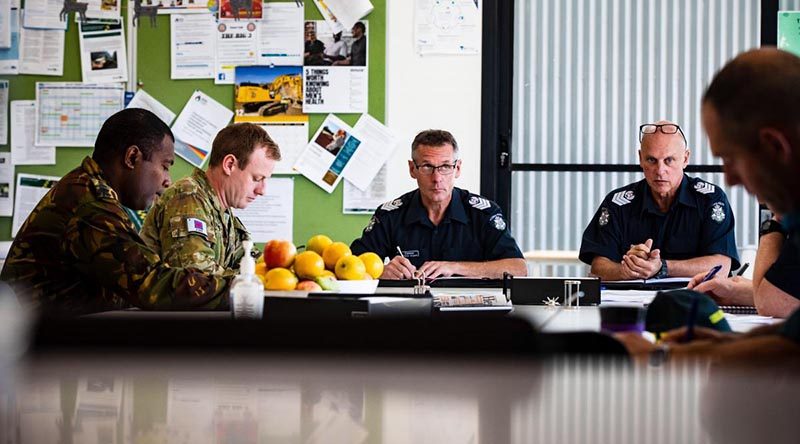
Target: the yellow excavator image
pixel 283 95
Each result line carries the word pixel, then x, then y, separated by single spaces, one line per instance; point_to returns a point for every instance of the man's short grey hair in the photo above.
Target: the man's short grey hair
pixel 434 137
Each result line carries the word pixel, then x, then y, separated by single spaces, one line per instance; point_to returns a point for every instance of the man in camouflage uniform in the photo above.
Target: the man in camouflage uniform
pixel 192 223
pixel 78 252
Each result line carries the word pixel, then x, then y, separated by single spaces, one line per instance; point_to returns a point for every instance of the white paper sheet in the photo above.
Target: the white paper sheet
pixel 327 14
pixel 334 89
pixel 41 52
pixel 378 144
pixel 348 12
pixel 451 27
pixel 29 191
pixel 200 120
pixel 103 56
pixel 191 153
pixel 328 153
pixel 3 112
pixel 6 185
pixel 9 57
pixel 71 114
pixel 292 138
pixel 5 23
pixel 44 14
pixel 281 35
pixel 145 101
pixel 331 88
pixel 102 8
pixel 271 216
pixel 355 201
pixel 237 45
pixel 23 134
pixel 190 410
pixel 192 42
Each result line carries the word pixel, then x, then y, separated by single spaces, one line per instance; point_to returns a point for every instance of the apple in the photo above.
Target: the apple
pixel 279 253
pixel 308 286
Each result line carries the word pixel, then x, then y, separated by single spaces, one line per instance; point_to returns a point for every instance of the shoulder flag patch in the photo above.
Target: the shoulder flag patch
pixel 392 205
pixel 479 203
pixel 623 197
pixel 704 188
pixel 195 225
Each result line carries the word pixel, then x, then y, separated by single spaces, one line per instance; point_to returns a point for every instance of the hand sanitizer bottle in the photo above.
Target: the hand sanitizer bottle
pixel 247 291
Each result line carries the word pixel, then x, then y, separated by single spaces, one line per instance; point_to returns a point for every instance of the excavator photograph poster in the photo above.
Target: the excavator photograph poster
pixel 269 94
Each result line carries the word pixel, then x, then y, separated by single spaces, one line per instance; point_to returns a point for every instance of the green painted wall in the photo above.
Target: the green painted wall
pixel 315 211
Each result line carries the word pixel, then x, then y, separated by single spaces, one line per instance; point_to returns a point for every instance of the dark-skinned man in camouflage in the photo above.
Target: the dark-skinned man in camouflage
pixel 78 251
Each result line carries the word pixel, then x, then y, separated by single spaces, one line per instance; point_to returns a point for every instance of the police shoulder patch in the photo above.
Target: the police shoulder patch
pixel 718 212
pixel 373 220
pixel 392 205
pixel 621 198
pixel 704 187
pixel 498 222
pixel 479 203
pixel 604 217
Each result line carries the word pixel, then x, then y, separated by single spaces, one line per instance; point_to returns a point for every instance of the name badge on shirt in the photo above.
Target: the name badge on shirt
pixel 194 225
pixel 411 253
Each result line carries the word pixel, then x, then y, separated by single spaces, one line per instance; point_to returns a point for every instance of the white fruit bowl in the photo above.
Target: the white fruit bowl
pixel 359 287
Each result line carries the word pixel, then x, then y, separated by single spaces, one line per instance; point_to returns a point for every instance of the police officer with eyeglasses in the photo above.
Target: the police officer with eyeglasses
pixel 666 225
pixel 438 229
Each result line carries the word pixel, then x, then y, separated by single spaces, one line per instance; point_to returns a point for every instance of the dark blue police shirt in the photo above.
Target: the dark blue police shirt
pixel 700 223
pixel 473 229
pixel 784 273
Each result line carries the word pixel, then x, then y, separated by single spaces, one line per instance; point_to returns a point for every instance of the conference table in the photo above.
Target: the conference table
pixel 133 388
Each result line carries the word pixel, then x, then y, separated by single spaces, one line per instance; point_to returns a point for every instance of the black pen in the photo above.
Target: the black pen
pixel 743 269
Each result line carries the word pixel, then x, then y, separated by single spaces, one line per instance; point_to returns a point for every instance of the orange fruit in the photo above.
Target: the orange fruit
pixel 261 268
pixel 280 279
pixel 318 243
pixel 308 265
pixel 350 268
pixel 334 252
pixel 373 264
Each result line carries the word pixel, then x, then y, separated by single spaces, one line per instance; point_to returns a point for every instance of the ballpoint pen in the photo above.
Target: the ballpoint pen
pixel 711 273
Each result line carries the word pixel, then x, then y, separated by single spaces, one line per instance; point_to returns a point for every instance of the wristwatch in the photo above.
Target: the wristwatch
pixel 771 226
pixel 662 272
pixel 659 356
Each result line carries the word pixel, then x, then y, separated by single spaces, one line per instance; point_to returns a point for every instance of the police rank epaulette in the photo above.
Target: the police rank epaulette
pixel 392 205
pixel 479 203
pixel 623 197
pixel 704 187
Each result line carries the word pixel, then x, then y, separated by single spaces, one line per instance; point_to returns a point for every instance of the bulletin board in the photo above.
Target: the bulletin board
pixel 315 211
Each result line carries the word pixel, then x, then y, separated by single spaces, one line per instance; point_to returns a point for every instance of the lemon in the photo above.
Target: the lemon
pixel 373 264
pixel 318 243
pixel 350 268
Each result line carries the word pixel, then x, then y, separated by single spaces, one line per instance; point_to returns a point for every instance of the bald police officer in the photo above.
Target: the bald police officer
pixel 78 252
pixel 192 224
pixel 440 230
pixel 666 225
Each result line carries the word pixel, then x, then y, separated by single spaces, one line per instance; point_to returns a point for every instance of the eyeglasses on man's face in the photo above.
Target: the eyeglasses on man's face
pixel 428 169
pixel 666 128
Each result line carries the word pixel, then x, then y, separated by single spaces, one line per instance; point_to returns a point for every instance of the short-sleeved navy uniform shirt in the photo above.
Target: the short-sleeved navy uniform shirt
pixel 700 223
pixel 473 229
pixel 785 271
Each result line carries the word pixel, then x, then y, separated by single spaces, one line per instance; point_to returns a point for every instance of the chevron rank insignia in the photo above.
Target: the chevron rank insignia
pixel 498 222
pixel 704 188
pixel 623 197
pixel 479 203
pixel 393 205
pixel 718 212
pixel 371 224
pixel 603 219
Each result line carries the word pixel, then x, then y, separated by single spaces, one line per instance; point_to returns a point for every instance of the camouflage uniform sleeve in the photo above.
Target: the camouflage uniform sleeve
pixel 187 234
pixel 106 249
